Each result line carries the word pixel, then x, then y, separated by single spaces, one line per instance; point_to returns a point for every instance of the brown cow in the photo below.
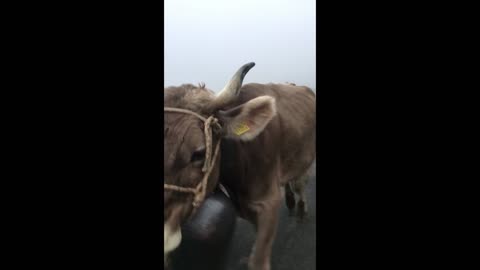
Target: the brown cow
pixel 267 141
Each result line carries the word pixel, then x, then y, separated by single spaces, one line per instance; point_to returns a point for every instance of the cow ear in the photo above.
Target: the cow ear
pixel 246 121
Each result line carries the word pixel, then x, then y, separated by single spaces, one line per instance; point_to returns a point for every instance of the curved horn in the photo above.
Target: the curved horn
pixel 231 90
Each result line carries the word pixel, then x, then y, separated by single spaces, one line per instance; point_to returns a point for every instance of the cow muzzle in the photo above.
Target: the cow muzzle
pixel 171 240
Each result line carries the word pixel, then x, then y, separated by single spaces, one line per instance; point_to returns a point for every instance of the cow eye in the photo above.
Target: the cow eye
pixel 198 156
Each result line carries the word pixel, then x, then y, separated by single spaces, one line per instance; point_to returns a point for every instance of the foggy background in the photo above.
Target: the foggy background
pixel 208 40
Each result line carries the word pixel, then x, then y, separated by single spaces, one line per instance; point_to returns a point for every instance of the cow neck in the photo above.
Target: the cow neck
pixel 199 192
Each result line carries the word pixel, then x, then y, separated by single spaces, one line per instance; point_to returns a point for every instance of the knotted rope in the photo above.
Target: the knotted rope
pixel 199 192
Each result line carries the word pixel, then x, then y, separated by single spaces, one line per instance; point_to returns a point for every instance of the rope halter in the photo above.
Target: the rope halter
pixel 199 192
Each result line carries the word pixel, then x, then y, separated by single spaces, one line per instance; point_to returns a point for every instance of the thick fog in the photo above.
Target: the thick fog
pixel 208 40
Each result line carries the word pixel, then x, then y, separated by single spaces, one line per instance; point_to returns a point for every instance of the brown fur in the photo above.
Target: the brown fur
pixel 253 169
pixel 188 96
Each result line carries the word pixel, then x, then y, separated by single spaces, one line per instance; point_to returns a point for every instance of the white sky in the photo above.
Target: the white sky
pixel 208 40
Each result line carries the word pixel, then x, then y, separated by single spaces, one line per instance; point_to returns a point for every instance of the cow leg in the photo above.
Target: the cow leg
pixel 265 221
pixel 289 198
pixel 300 191
pixel 302 206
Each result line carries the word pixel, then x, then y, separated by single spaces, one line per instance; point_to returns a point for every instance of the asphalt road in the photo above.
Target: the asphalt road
pixel 295 243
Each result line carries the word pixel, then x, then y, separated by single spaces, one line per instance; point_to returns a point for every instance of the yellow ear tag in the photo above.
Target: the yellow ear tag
pixel 241 128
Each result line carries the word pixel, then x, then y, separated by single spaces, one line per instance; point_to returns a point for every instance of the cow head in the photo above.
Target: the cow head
pixel 185 143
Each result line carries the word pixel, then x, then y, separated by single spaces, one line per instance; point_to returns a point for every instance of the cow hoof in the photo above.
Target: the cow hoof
pixel 264 266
